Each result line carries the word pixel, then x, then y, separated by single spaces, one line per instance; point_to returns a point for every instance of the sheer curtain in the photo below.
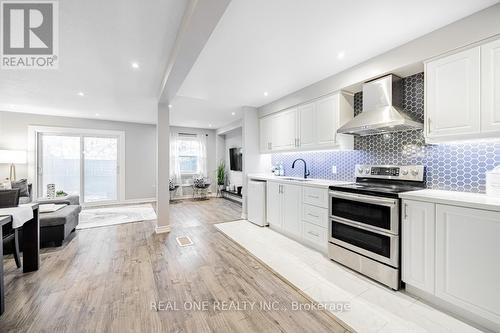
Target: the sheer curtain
pixel 202 157
pixel 175 169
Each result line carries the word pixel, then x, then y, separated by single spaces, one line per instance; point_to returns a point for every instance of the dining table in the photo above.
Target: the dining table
pixel 30 247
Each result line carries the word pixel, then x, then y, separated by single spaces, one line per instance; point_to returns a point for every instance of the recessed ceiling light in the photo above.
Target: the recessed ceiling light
pixel 341 55
pixel 233 113
pixel 170 106
pixel 97 114
pixel 209 125
pixel 81 93
pixel 135 65
pixel 266 93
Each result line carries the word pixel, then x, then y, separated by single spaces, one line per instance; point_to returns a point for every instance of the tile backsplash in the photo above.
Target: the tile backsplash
pixel 456 167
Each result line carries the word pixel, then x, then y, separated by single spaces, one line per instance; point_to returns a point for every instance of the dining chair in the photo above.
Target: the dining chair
pixel 10 198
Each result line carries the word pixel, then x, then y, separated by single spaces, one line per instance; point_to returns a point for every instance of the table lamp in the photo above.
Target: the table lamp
pixel 12 157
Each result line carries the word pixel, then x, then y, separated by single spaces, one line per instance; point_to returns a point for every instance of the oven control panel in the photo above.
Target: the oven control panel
pixel 407 172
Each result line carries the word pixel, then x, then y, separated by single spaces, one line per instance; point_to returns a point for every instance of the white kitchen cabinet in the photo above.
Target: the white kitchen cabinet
pixel 315 236
pixel 266 130
pixel 284 131
pixel 307 124
pixel 274 206
pixel 452 90
pixel 467 264
pixel 327 120
pixel 292 205
pixel 284 203
pixel 490 87
pixel 418 238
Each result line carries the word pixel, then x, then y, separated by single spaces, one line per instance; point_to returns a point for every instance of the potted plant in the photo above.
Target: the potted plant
pixel 221 176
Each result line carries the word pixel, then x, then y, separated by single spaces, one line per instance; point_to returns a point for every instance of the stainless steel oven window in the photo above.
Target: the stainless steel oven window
pixel 379 213
pixel 383 247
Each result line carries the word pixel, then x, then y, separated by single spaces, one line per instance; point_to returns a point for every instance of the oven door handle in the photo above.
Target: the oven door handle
pixel 360 225
pixel 364 198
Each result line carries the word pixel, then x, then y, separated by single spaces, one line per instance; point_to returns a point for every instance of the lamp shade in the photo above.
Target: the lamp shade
pixel 13 156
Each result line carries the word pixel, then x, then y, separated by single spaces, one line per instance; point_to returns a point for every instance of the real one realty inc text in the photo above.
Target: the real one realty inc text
pixel 206 305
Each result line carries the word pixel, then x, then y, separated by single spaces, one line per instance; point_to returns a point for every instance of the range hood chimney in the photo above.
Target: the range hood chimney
pixel 382 111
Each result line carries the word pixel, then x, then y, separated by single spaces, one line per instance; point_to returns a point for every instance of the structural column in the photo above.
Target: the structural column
pixel 163 168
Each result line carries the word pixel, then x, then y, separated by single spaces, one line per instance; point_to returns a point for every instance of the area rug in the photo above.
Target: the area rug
pixel 102 217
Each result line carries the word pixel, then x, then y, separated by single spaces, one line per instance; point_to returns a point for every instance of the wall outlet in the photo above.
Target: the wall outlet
pixel 334 169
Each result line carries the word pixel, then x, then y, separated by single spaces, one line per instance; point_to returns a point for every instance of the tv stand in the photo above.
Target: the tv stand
pixel 232 195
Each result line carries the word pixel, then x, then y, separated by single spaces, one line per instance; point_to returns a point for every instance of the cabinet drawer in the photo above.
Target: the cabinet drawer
pixel 314 235
pixel 315 196
pixel 315 215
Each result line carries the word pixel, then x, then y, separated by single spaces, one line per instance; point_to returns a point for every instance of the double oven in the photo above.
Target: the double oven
pixel 365 220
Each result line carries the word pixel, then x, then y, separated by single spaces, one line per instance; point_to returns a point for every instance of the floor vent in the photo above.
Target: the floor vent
pixel 184 241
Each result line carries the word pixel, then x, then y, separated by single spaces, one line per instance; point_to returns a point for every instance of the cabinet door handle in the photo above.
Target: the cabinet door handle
pixel 428 125
pixel 312 215
pixel 313 233
pixel 406 211
pixel 313 196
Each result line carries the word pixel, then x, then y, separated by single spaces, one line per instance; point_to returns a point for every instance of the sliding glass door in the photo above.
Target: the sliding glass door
pixel 60 162
pixel 100 167
pixel 83 165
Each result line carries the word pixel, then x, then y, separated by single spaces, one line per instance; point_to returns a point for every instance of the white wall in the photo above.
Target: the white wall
pixel 233 139
pixel 140 146
pixel 404 60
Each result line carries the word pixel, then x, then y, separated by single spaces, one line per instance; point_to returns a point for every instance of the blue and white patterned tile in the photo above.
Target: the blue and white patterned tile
pixel 456 167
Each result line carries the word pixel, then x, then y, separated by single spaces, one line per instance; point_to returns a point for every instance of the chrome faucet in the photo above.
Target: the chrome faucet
pixel 306 173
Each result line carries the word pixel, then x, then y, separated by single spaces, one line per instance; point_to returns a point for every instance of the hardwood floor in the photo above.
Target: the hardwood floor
pixel 106 279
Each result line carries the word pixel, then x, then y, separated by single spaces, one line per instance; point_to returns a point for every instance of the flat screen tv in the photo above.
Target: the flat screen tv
pixel 235 159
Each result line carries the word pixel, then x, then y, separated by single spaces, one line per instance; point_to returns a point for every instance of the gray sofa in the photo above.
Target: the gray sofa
pixel 56 226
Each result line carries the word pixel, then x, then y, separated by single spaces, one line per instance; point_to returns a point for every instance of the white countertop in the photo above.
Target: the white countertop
pixel 322 183
pixel 462 199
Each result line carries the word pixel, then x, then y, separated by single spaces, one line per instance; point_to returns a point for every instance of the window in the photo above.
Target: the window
pixel 188 156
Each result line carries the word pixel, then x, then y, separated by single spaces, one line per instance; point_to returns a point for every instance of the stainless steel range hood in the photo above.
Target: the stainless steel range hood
pixel 382 112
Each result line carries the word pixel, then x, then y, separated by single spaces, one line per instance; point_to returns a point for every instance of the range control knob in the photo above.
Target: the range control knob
pixel 360 170
pixel 414 172
pixel 404 172
pixel 367 171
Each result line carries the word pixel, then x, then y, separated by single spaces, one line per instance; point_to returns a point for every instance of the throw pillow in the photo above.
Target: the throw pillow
pixel 22 185
pixel 199 182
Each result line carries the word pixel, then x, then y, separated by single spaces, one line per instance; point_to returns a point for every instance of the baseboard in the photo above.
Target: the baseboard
pixel 162 229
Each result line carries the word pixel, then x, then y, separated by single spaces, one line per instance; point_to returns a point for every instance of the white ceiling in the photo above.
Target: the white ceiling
pixel 280 46
pixel 98 42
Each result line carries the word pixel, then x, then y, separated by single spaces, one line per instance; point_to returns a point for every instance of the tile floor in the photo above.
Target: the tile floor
pixel 373 308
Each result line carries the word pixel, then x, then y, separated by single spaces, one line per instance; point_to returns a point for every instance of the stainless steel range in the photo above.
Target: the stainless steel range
pixel 365 220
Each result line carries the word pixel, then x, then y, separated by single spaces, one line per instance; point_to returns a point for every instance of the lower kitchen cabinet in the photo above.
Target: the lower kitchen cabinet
pixel 467 259
pixel 292 204
pixel 451 253
pixel 274 205
pixel 284 203
pixel 289 211
pixel 418 230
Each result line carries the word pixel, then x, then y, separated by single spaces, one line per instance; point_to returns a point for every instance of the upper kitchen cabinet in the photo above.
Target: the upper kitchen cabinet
pixel 266 131
pixel 452 86
pixel 309 126
pixel 284 130
pixel 490 87
pixel 463 95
